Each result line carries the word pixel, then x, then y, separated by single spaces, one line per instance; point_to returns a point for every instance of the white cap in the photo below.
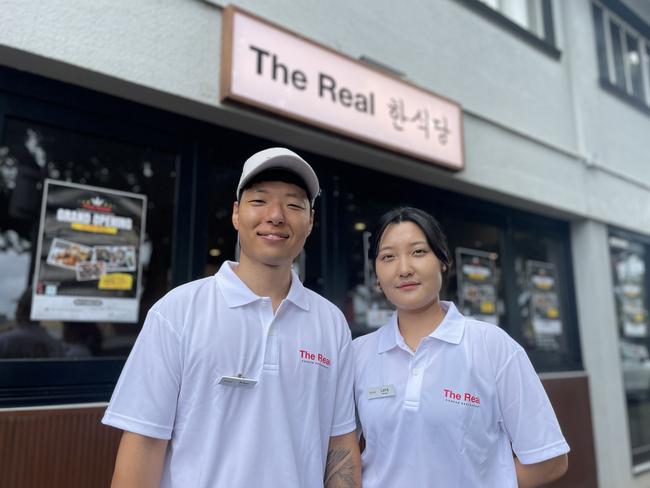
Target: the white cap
pixel 279 157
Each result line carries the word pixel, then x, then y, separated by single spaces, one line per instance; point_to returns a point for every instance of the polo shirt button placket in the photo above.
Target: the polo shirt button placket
pixel 271 349
pixel 413 387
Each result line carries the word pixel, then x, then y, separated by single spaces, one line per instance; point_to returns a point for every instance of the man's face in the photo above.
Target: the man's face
pixel 273 219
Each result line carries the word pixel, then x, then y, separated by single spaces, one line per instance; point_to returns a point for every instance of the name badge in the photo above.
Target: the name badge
pixel 237 382
pixel 381 391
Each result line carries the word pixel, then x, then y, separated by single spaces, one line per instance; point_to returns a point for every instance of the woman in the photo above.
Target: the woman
pixel 444 400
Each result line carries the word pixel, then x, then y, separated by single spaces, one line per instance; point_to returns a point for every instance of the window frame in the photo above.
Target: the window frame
pixel 546 44
pixel 604 14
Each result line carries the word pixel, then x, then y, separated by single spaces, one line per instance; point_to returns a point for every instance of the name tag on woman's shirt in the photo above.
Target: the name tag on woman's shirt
pixel 381 391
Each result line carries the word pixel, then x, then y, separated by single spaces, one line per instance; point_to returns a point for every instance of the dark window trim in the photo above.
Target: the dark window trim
pixel 601 43
pixel 616 7
pixel 546 45
pixel 68 381
pixel 632 101
pixel 549 30
pixel 628 15
pixel 629 235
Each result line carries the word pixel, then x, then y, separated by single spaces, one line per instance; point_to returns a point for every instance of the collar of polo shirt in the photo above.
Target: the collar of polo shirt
pixel 237 294
pixel 450 330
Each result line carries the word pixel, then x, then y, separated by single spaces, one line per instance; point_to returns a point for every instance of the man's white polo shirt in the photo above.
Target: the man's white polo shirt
pixel 447 414
pixel 274 434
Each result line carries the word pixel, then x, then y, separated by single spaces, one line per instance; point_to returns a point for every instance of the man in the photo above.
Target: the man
pixel 244 379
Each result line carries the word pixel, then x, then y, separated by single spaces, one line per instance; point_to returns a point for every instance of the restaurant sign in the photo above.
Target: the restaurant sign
pixel 268 67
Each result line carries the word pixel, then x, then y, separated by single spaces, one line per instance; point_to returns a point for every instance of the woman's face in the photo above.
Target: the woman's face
pixel 407 269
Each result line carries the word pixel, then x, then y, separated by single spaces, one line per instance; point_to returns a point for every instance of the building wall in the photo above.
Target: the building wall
pixel 611 134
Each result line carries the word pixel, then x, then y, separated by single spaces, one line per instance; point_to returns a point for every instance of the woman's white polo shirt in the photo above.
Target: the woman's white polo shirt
pixel 273 433
pixel 451 413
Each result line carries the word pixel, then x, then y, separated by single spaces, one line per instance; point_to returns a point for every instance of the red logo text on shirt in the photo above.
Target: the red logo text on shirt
pixel 461 398
pixel 314 358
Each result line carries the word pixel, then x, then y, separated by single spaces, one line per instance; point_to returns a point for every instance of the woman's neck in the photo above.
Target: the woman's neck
pixel 416 324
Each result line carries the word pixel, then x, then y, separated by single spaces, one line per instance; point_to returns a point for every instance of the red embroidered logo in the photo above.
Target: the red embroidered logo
pixel 461 398
pixel 313 358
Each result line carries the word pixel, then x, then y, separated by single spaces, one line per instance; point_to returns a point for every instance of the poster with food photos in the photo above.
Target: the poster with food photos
pixel 477 284
pixel 544 304
pixel 629 273
pixel 88 255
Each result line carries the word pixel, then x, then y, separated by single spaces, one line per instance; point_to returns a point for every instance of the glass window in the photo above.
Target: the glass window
pixel 221 236
pixel 30 153
pixel 542 309
pixel 622 62
pixel 629 260
pixel 601 44
pixel 475 283
pixel 359 208
pixel 634 62
pixel 617 53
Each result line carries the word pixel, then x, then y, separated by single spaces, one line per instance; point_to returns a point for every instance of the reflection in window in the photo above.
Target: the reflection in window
pixel 31 152
pixel 631 295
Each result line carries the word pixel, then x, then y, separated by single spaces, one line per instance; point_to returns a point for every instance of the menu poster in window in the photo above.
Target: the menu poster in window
pixel 477 286
pixel 544 303
pixel 629 280
pixel 88 265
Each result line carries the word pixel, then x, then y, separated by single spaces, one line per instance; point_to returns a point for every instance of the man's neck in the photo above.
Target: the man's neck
pixel 265 281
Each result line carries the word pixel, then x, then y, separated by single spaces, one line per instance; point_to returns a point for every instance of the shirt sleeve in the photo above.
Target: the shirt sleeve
pixel 344 410
pixel 527 414
pixel 144 400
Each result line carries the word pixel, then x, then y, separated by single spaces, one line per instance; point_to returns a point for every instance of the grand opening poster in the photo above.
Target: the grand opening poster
pixel 88 264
